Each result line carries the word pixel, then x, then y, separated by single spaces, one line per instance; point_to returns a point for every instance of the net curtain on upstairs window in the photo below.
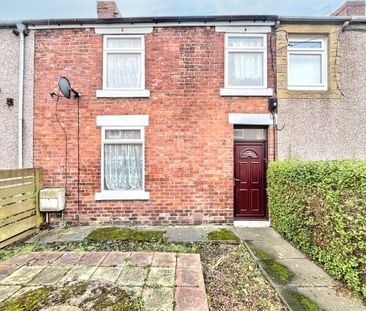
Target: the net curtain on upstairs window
pixel 123 163
pixel 245 67
pixel 124 63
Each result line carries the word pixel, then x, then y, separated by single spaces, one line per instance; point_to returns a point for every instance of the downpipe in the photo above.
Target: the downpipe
pixel 21 31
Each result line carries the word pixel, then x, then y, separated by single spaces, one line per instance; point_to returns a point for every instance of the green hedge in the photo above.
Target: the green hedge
pixel 320 206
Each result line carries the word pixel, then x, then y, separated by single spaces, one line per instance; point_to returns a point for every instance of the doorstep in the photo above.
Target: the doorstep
pixel 245 223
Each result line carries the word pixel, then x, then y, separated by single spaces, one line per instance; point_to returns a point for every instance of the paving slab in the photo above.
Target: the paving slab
pixel 190 276
pixel 190 299
pixel 133 276
pixel 115 259
pixel 92 258
pixel 186 234
pixel 153 276
pixel 22 276
pixel 8 290
pixel 257 234
pixel 278 249
pixel 164 260
pixel 161 276
pixel 158 299
pixel 79 273
pixel 68 259
pixel 188 260
pixel 328 299
pixel 141 259
pixel 107 274
pixel 308 279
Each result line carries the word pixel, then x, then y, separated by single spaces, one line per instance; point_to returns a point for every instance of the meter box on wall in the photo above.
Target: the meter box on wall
pixel 52 199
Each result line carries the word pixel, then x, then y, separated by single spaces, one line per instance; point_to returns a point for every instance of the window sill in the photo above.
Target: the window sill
pixel 122 93
pixel 246 92
pixel 122 195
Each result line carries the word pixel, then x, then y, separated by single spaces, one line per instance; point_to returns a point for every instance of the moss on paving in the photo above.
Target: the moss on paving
pixel 28 301
pixel 300 302
pixel 222 235
pixel 125 234
pixel 278 272
pixel 86 296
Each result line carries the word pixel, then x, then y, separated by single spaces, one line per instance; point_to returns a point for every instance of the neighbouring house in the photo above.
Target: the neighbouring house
pixel 16 96
pixel 176 121
pixel 321 86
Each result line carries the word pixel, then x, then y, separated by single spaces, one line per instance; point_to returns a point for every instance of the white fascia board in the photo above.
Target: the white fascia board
pixel 250 118
pixel 142 25
pixel 243 29
pixel 125 120
pixel 123 30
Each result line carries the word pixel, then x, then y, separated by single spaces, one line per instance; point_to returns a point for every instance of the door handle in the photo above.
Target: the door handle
pixel 236 179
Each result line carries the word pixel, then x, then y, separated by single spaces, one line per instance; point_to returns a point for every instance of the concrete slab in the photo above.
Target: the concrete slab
pixel 49 276
pixel 186 234
pixel 327 299
pixel 22 276
pixel 188 260
pixel 190 299
pixel 107 274
pixel 79 273
pixel 257 234
pixel 92 258
pixel 115 259
pixel 158 299
pixel 164 260
pixel 307 273
pixel 8 290
pixel 190 276
pixel 141 259
pixel 133 276
pixel 46 259
pixel 68 259
pixel 161 276
pixel 278 249
pixel 136 290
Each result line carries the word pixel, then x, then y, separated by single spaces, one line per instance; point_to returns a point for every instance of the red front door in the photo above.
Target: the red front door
pixel 249 177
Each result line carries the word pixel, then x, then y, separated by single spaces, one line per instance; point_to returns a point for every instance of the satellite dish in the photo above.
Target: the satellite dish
pixel 65 87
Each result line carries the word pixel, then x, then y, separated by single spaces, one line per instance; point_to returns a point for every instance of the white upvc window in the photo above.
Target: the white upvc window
pixel 307 63
pixel 122 158
pixel 246 65
pixel 123 66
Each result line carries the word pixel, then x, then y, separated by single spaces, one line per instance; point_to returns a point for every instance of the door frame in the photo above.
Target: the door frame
pixel 265 158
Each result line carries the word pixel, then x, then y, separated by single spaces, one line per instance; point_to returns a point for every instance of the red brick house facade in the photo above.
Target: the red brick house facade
pixel 188 137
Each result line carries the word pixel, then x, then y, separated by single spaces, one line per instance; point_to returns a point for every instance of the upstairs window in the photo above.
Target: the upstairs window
pixel 245 61
pixel 124 61
pixel 307 63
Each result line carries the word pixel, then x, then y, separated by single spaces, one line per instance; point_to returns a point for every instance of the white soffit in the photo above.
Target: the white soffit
pixel 250 119
pixel 243 29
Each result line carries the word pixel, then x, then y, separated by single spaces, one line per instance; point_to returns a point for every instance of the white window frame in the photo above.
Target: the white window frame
pixel 129 122
pixel 123 92
pixel 323 52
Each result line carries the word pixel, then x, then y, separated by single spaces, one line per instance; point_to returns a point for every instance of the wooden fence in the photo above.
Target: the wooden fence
pixel 19 204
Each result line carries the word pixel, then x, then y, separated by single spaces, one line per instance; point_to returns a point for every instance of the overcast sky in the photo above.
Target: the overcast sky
pixel 46 9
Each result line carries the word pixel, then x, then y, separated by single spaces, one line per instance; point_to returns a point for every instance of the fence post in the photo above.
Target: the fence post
pixel 39 184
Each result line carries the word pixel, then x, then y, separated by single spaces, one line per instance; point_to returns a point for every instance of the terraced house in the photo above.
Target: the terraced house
pixel 174 119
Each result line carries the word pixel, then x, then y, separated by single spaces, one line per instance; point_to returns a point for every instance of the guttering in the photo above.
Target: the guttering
pixel 314 19
pixel 175 21
pixel 21 32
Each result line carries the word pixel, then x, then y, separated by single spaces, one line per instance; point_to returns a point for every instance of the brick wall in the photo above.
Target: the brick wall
pixel 189 142
pixel 351 8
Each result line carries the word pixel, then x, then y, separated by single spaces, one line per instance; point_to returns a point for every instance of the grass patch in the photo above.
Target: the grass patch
pixel 125 234
pixel 275 270
pixel 222 235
